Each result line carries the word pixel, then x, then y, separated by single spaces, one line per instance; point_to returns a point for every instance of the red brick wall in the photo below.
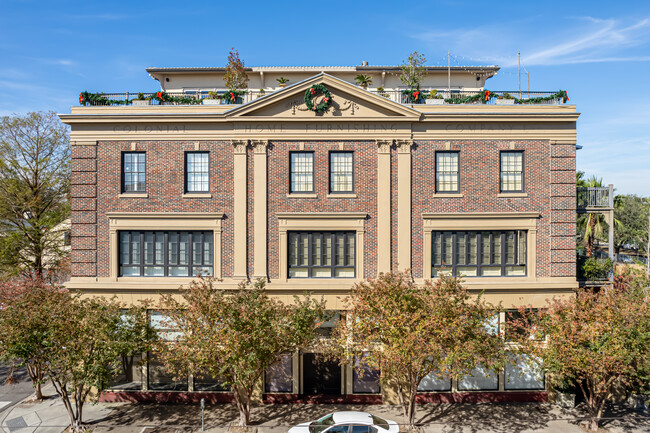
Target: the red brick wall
pixel 365 187
pixel 479 184
pixel 549 183
pixel 165 186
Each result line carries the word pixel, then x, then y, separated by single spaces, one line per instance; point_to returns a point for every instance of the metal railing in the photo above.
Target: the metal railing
pixel 595 197
pixel 197 97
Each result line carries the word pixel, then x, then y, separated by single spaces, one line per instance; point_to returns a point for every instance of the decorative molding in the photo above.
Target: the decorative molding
pixel 133 195
pixel 336 107
pixel 197 195
pixel 480 215
pixel 260 146
pixel 383 146
pixel 304 221
pixel 404 146
pixel 239 146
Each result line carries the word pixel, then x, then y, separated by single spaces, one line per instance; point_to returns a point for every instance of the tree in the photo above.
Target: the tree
pixel 363 80
pixel 25 306
pixel 408 332
pixel 235 335
pixel 235 76
pixel 413 70
pixel 590 224
pixel 34 187
pixel 632 213
pixel 86 342
pixel 597 339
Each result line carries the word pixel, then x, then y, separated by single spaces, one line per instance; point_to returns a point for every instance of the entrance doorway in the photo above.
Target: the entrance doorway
pixel 319 376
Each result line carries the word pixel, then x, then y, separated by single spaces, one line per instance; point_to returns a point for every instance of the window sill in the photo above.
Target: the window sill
pixel 300 195
pixel 448 195
pixel 512 194
pixel 133 195
pixel 197 195
pixel 342 195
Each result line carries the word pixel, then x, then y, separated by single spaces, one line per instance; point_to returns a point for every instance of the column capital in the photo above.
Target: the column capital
pixel 260 146
pixel 240 146
pixel 383 146
pixel 404 146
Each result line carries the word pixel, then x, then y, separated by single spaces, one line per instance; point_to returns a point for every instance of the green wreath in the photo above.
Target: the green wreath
pixel 316 90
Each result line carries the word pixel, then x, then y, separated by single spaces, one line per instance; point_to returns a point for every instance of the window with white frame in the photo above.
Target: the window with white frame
pixel 447 172
pixel 301 172
pixel 197 172
pixel 134 172
pixel 341 172
pixel 512 171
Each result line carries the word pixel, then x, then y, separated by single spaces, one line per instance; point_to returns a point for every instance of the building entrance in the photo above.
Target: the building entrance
pixel 320 377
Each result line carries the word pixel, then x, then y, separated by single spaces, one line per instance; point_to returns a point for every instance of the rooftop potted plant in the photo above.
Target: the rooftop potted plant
pixel 363 80
pixel 212 99
pixel 382 92
pixel 505 98
pixel 235 78
pixel 261 93
pixel 282 82
pixel 412 74
pixel 434 98
pixel 140 100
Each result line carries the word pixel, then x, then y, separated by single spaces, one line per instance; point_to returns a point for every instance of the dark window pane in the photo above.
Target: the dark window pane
pixel 321 254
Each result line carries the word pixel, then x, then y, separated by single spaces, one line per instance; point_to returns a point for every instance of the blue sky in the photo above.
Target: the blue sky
pixel 599 51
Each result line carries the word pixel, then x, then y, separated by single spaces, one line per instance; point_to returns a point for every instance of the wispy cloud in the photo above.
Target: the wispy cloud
pixel 49 61
pixel 587 40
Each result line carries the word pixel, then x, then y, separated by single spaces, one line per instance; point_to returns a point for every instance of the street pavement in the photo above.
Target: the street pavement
pixel 10 394
pixel 49 416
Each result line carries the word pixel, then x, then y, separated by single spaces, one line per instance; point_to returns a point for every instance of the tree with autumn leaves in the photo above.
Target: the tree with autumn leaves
pixel 78 344
pixel 598 340
pixel 408 332
pixel 235 335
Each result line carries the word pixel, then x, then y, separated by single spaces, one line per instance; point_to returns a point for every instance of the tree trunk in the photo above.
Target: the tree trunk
pixel 243 402
pixel 61 389
pixel 35 374
pixel 590 239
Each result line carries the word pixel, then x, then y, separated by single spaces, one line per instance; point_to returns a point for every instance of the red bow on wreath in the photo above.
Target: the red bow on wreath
pixel 159 95
pixel 315 107
pixel 416 95
pixel 81 98
pixel 312 91
pixel 487 95
pixel 326 99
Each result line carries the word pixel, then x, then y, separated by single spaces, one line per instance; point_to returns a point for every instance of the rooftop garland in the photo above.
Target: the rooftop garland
pixel 562 95
pixel 164 97
pixel 483 96
pixel 414 96
pixel 99 99
pixel 232 96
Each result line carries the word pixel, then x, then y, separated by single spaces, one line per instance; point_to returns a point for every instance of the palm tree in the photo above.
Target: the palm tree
pixel 363 81
pixel 592 224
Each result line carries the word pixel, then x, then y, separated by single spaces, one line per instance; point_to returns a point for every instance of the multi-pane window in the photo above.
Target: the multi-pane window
pixel 483 254
pixel 512 171
pixel 322 254
pixel 133 172
pixel 341 172
pixel 447 172
pixel 197 169
pixel 165 253
pixel 301 172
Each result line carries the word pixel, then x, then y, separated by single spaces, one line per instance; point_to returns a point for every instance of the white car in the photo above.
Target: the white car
pixel 347 422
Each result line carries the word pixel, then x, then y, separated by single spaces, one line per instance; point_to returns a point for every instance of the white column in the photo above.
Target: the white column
pixel 383 206
pixel 260 183
pixel 404 204
pixel 240 174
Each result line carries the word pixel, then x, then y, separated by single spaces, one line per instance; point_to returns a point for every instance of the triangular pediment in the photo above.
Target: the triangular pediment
pixel 349 102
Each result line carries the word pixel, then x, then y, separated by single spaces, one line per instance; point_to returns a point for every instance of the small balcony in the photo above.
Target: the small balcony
pixel 595 199
pixel 424 97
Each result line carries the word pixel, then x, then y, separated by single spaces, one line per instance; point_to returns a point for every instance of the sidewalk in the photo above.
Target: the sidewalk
pixel 50 416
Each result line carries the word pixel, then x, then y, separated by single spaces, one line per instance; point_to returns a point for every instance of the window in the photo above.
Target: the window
pixel 512 171
pixel 484 253
pixel 301 172
pixel 433 382
pixel 321 254
pixel 133 172
pixel 197 165
pixel 365 379
pixel 279 376
pixel 165 253
pixel 447 172
pixel 341 172
pixel 480 378
pixel 523 372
